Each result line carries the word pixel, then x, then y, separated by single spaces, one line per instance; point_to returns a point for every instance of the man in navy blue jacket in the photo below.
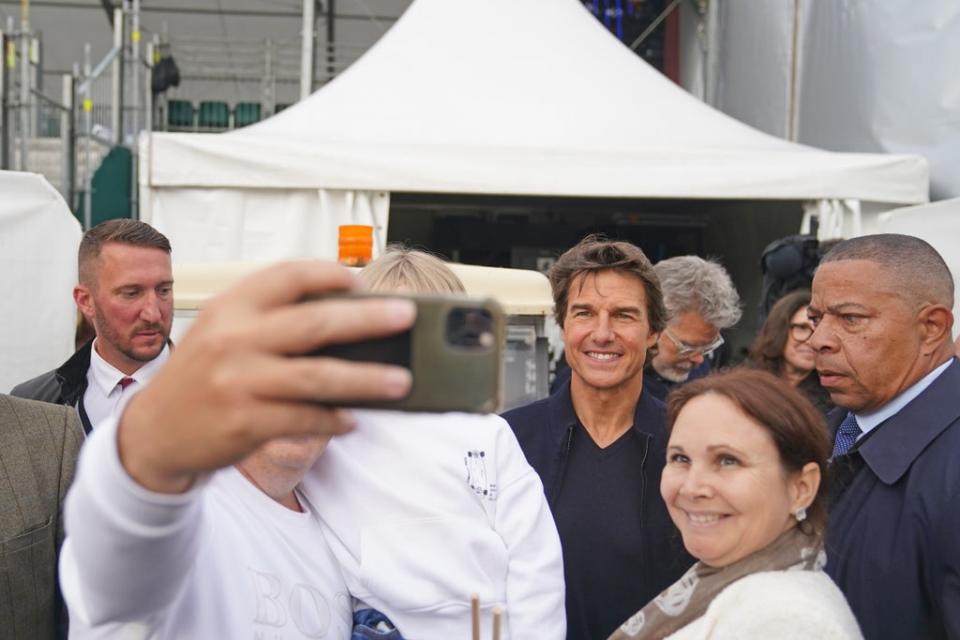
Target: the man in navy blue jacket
pixel 599 443
pixel 882 310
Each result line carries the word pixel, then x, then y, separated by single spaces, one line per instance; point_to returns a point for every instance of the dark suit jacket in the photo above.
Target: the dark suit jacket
pixel 38 449
pixel 659 387
pixel 893 540
pixel 64 385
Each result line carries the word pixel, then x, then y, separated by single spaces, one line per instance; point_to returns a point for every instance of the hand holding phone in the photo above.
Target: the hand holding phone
pixel 230 385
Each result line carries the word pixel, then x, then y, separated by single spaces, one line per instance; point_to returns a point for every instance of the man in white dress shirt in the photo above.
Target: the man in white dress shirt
pixel 125 290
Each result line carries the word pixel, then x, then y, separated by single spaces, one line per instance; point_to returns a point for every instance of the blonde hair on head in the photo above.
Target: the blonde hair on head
pixel 403 269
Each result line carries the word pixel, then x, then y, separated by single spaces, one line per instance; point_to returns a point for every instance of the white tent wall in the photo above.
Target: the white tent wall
pixel 757 36
pixel 837 219
pixel 39 238
pixel 262 225
pixel 881 76
pixel 871 75
pixel 938 224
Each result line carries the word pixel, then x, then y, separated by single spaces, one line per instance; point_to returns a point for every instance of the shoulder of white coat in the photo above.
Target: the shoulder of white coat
pixel 800 604
pixel 488 426
pixel 479 421
pixel 490 421
pixel 511 461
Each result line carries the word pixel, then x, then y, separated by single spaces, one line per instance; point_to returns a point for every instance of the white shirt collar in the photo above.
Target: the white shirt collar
pixel 107 377
pixel 869 421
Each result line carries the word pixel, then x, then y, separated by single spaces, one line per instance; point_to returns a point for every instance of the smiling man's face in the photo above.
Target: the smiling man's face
pixel 606 332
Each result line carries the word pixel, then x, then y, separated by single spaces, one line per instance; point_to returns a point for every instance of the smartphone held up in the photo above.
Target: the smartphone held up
pixel 453 352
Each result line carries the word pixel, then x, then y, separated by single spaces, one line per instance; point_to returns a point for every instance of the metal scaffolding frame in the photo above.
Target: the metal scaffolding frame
pixel 108 103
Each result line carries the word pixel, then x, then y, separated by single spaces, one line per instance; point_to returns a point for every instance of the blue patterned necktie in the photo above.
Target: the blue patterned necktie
pixel 847 434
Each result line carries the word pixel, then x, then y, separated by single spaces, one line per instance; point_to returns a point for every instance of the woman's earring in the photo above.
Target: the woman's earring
pixel 800 514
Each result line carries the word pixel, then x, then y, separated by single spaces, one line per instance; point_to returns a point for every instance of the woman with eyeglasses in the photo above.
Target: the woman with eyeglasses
pixel 782 348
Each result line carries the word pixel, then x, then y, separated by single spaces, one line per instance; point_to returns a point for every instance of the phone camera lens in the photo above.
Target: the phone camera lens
pixel 470 328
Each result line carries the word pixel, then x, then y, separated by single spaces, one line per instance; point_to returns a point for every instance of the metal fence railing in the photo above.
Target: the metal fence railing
pixel 62 131
pixel 266 72
pixel 63 134
pixel 37 132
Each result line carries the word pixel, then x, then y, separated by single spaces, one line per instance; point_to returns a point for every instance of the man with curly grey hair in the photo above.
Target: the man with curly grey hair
pixel 701 301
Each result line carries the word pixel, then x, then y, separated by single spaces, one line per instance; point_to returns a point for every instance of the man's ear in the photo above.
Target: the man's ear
pixel 84 300
pixel 936 326
pixel 653 340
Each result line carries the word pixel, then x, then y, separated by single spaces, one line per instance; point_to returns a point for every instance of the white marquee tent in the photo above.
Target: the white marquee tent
pixel 939 224
pixel 39 238
pixel 523 97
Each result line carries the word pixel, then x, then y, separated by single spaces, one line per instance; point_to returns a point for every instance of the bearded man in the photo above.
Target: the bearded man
pixel 701 301
pixel 125 291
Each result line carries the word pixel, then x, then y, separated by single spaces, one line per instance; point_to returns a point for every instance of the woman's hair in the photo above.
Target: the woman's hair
pixel 402 268
pixel 766 352
pixel 798 430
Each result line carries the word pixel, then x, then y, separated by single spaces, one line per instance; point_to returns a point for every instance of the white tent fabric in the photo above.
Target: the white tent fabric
pixel 836 219
pixel 857 73
pixel 879 75
pixel 526 97
pixel 263 225
pixel 937 223
pixel 39 238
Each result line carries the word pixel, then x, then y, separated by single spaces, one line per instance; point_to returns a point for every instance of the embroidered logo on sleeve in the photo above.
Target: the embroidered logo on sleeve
pixel 475 462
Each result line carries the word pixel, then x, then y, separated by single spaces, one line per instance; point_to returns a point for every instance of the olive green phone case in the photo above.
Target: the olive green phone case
pixel 453 351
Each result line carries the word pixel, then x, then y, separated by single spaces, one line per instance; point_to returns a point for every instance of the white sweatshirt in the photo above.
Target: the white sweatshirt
pixel 221 561
pixel 423 510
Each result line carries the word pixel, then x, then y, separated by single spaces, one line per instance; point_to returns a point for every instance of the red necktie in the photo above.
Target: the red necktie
pixel 125 382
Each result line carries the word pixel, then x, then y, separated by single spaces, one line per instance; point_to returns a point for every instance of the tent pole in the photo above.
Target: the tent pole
pixel 137 70
pixel 68 136
pixel 25 86
pixel 5 101
pixel 331 39
pixel 794 64
pixel 713 53
pixel 306 48
pixel 117 96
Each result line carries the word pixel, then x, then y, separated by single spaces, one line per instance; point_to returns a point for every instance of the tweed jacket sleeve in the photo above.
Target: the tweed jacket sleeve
pixel 38 449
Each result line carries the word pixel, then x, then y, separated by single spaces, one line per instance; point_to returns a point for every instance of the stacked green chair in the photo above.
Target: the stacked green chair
pixel 247 113
pixel 179 113
pixel 214 115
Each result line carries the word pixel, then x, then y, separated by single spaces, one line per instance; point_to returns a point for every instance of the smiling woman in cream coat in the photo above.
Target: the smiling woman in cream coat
pixel 742 482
